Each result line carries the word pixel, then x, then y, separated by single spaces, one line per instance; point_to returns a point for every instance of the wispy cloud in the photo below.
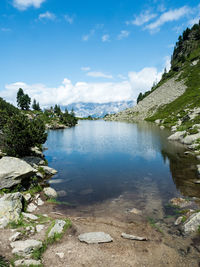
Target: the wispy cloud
pixel 97 27
pixel 47 15
pixel 69 19
pixel 85 68
pixel 105 38
pixel 169 16
pixel 143 18
pixel 24 4
pixel 98 74
pixel 123 34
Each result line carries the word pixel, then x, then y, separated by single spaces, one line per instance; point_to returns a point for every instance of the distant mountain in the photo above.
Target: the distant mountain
pixel 98 110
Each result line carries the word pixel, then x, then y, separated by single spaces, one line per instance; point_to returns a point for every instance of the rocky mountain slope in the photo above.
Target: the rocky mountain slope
pixel 175 100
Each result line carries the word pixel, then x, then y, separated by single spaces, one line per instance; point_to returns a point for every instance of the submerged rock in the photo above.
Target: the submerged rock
pixel 95 238
pixel 180 202
pixel 10 208
pixel 13 171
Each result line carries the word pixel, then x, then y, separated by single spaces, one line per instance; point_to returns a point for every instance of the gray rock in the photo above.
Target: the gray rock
pixel 40 202
pixel 36 151
pixel 27 197
pixel 57 228
pixel 177 136
pixel 39 228
pixel 10 208
pixel 24 248
pixel 189 139
pixel 30 216
pixel 34 161
pixel 50 192
pixel 162 127
pixel 48 170
pixel 178 220
pixel 192 224
pixel 27 262
pixel 13 171
pixel 15 237
pixel 95 238
pixel 31 207
pixel 60 255
pixel 133 237
pixel 174 128
pixel 136 211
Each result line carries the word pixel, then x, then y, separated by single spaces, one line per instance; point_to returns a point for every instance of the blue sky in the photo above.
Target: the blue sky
pixel 91 51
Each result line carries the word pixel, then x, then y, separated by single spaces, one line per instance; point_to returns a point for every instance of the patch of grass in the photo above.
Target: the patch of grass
pixel 37 253
pixel 36 189
pixel 153 224
pixel 41 170
pixel 3 262
pixel 184 219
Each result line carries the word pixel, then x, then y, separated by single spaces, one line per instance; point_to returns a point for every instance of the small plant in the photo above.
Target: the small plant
pixel 184 219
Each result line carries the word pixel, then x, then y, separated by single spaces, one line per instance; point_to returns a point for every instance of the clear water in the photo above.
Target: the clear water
pixel 114 166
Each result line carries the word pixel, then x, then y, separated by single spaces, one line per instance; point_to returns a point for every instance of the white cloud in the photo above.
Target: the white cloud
pixel 47 15
pixel 105 38
pixel 122 77
pixel 172 15
pixel 87 36
pixel 101 92
pixel 123 34
pixel 98 74
pixel 85 68
pixel 143 18
pixel 69 19
pixel 24 4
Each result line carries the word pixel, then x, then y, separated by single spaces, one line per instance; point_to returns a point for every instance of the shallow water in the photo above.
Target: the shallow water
pixel 112 167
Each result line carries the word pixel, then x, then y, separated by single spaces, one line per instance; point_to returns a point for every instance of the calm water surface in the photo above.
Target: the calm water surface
pixel 115 166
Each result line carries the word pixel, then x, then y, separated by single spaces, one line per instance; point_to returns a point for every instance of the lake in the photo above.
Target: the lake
pixel 112 167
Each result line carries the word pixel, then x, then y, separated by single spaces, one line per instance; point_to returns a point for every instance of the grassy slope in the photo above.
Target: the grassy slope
pixel 190 99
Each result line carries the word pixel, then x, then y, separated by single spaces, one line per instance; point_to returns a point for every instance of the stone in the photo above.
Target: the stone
pixel 48 170
pixel 13 171
pixel 95 238
pixel 180 202
pixel 25 262
pixel 158 121
pixel 177 136
pixel 62 193
pixel 40 202
pixel 136 211
pixel 31 207
pixel 162 127
pixel 10 208
pixel 197 182
pixel 37 152
pixel 34 161
pixel 50 192
pixel 57 228
pixel 60 255
pixel 29 216
pixel 192 223
pixel 178 220
pixel 133 237
pixel 24 248
pixel 198 157
pixel 174 128
pixel 198 168
pixel 39 228
pixel 15 237
pixel 189 139
pixel 27 197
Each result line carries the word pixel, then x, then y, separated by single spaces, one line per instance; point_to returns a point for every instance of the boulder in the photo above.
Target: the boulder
pixel 39 228
pixel 189 139
pixel 13 171
pixel 34 161
pixel 192 223
pixel 177 136
pixel 30 262
pixel 48 170
pixel 95 238
pixel 37 152
pixel 15 237
pixel 24 248
pixel 10 208
pixel 57 228
pixel 50 192
pixel 180 202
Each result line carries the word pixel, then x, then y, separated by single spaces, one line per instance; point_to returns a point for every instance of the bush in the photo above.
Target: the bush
pixel 20 134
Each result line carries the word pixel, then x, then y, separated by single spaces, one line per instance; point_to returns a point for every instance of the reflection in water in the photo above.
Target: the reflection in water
pixel 99 161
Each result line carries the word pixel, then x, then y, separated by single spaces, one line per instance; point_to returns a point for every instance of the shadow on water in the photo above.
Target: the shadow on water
pixel 107 162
